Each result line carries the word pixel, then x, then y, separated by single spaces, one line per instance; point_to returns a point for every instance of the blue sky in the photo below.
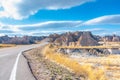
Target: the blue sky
pixel 23 17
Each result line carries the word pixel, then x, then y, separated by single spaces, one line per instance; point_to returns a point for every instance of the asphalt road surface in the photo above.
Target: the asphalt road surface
pixel 13 66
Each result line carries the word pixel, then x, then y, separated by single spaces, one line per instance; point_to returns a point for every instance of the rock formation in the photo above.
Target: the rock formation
pixel 87 39
pixel 112 38
pixel 75 38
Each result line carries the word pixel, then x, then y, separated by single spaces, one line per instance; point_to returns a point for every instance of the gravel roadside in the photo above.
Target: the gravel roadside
pixel 43 69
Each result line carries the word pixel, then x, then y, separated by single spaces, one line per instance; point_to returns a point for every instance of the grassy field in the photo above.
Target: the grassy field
pixel 86 70
pixel 6 45
pixel 109 64
pixel 89 47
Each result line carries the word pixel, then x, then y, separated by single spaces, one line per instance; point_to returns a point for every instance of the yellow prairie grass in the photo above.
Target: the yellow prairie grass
pixel 6 45
pixel 85 70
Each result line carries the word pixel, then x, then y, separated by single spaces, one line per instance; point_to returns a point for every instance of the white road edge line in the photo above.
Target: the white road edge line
pixel 14 70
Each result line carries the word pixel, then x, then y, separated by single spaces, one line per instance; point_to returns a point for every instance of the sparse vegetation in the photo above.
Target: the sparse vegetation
pixel 51 65
pixel 6 45
pixel 85 70
pixel 44 69
pixel 109 64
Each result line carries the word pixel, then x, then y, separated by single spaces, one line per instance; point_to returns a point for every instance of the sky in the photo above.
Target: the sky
pixel 44 17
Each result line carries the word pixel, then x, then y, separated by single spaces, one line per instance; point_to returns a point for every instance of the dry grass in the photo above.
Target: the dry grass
pixel 44 69
pixel 89 47
pixel 6 45
pixel 85 70
pixel 110 65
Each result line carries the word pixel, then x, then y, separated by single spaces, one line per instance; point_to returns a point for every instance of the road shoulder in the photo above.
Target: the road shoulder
pixel 44 69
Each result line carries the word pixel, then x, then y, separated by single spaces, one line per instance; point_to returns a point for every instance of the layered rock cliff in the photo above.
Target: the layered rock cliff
pixel 75 38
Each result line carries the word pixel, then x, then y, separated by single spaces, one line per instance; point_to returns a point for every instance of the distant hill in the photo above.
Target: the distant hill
pixel 111 38
pixel 20 40
pixel 80 38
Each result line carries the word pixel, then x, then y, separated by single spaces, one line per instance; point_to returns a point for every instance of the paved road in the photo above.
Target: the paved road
pixel 13 66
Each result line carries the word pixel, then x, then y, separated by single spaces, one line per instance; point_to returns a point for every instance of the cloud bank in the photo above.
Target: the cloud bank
pixel 42 28
pixel 108 19
pixel 20 9
pixel 48 27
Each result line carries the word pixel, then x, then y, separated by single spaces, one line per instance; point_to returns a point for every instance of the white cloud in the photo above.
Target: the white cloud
pixel 37 29
pixel 95 29
pixel 48 32
pixel 1 34
pixel 108 19
pixel 20 9
pixel 48 23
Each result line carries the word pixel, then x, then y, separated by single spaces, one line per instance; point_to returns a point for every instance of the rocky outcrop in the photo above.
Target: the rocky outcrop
pixel 74 38
pixel 87 39
pixel 98 52
pixel 65 39
pixel 113 38
pixel 87 52
pixel 20 40
pixel 116 39
pixel 53 37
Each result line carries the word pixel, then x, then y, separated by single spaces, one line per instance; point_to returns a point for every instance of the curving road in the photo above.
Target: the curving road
pixel 13 66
